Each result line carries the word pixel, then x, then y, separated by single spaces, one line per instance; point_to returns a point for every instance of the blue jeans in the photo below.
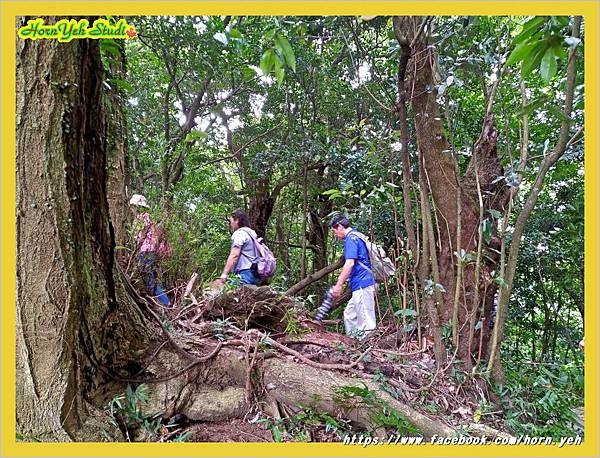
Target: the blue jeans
pixel 248 277
pixel 147 261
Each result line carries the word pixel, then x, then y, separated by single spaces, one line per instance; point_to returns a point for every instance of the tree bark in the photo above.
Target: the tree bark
pixel 282 249
pixel 442 178
pixel 261 206
pixel 118 153
pixel 401 109
pixel 67 312
pixel 318 238
pixel 304 222
pixel 284 381
pixel 58 142
pixel 295 289
pixel 320 208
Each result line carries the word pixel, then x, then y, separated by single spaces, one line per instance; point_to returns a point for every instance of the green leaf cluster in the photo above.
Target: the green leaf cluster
pixel 278 56
pixel 539 45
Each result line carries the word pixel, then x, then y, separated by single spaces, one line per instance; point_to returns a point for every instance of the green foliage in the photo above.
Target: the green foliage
pixel 539 44
pixel 431 287
pixel 539 400
pixel 181 437
pixel 195 135
pixel 465 257
pixel 164 321
pixel 221 329
pixel 127 409
pixel 110 47
pixel 302 426
pixel 285 49
pixel 391 418
pixel 293 327
pixel 404 313
pixel 273 426
pixel 30 438
pixel 200 244
pixel 276 57
pixel 352 396
pixel 348 397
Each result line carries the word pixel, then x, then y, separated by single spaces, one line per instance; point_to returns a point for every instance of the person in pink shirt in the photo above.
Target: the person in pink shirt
pixel 151 246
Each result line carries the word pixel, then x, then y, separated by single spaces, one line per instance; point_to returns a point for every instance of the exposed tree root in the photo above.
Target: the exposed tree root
pixel 250 306
pixel 217 370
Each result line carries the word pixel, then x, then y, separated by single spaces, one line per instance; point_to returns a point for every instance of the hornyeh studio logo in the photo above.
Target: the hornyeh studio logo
pixel 66 30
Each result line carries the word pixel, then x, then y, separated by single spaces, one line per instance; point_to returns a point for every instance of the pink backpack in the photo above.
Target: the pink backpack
pixel 265 260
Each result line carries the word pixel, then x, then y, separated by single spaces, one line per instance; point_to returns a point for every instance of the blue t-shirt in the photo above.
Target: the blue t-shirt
pixel 355 248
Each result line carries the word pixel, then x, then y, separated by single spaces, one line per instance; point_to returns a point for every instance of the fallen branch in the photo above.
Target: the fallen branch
pixel 294 383
pixel 190 285
pixel 314 277
pixel 301 357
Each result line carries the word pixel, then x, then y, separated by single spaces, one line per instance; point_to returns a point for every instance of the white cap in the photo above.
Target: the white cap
pixel 138 199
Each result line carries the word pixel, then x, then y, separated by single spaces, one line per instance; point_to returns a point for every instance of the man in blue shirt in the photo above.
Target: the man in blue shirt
pixel 359 314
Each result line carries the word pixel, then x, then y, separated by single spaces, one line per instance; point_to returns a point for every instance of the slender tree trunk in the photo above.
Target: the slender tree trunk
pixel 304 222
pixel 430 295
pixel 402 111
pixel 318 239
pixel 283 253
pixel 320 207
pixel 494 362
pixel 546 330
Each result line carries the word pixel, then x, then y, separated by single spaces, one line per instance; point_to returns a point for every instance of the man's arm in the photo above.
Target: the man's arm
pixel 234 254
pixel 347 269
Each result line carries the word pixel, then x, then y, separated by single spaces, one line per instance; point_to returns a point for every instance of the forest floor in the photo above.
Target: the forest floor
pixel 401 364
pixel 234 430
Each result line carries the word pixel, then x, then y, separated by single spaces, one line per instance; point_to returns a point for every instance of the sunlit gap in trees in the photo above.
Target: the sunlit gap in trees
pixel 363 76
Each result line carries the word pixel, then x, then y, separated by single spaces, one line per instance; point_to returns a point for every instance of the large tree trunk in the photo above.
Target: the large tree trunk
pixel 478 194
pixel 320 207
pixel 66 296
pixel 261 207
pixel 117 153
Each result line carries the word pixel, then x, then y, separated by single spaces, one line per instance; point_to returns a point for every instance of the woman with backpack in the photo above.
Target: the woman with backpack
pixel 151 246
pixel 243 250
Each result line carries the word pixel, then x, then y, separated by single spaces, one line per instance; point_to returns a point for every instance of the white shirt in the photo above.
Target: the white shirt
pixel 241 239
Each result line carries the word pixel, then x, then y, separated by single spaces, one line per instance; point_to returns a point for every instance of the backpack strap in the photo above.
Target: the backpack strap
pixel 364 239
pixel 360 235
pixel 248 231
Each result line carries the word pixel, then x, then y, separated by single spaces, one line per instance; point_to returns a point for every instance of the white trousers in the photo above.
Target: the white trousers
pixel 359 314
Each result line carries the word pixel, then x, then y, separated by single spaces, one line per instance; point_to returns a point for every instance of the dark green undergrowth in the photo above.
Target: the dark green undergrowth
pixel 539 399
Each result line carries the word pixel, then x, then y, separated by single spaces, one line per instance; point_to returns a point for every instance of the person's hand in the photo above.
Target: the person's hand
pixel 337 292
pixel 222 279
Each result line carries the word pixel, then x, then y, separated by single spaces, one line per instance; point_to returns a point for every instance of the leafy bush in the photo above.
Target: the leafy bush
pixel 125 411
pixel 302 426
pixel 539 399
